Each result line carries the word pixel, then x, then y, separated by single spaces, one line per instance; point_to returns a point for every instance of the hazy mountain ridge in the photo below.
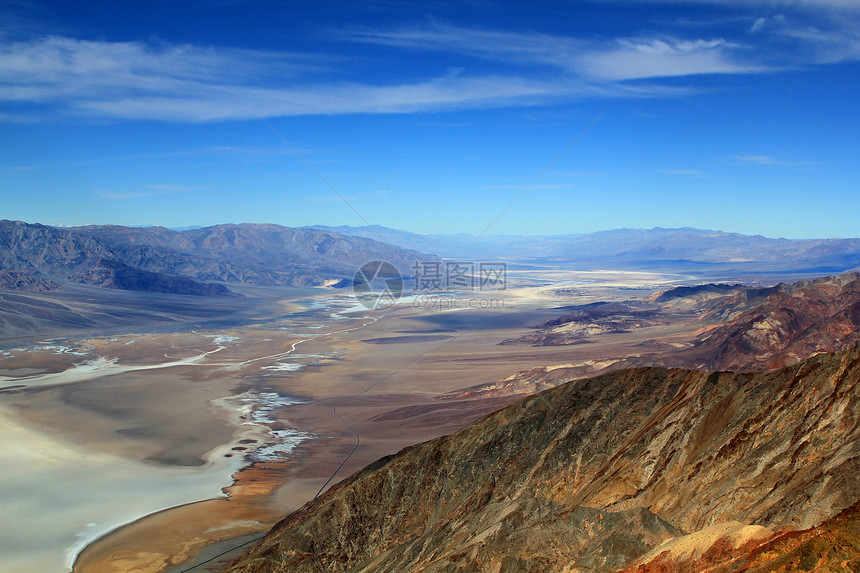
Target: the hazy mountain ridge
pixel 592 474
pixel 42 257
pixel 639 248
pixel 457 245
pixel 267 255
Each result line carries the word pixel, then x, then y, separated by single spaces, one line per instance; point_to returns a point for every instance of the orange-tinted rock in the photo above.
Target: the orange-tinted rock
pixel 594 474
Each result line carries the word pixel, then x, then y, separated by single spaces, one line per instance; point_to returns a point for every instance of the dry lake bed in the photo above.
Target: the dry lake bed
pixel 150 450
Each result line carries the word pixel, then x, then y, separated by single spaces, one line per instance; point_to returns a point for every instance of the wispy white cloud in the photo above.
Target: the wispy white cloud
pixel 829 43
pixel 185 83
pixel 505 46
pixel 808 32
pixel 656 58
pixel 83 75
pixel 751 159
pixel 621 59
pixel 758 25
pixel 59 61
pixel 46 77
pixel 220 102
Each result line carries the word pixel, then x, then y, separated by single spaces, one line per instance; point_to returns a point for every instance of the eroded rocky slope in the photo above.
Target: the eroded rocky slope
pixel 742 328
pixel 791 323
pixel 155 259
pixel 594 474
pixel 833 546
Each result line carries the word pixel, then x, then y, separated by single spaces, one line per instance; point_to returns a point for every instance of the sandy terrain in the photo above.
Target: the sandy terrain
pixel 108 431
pixel 57 496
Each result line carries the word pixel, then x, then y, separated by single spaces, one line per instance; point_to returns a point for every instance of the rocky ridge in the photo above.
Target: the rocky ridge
pixel 155 259
pixel 742 328
pixel 787 324
pixel 594 474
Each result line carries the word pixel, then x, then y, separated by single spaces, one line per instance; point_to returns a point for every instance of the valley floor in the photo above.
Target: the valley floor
pixel 119 449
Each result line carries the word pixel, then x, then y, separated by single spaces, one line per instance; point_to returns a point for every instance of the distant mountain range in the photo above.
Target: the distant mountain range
pixel 654 249
pixel 38 257
pixel 155 259
pixel 458 245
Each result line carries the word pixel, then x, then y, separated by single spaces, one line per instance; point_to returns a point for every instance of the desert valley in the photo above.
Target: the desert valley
pixel 159 431
pixel 429 287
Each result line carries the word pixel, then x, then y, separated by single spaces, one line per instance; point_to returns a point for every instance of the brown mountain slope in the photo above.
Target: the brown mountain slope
pixel 792 323
pixel 742 329
pixel 591 475
pixel 833 546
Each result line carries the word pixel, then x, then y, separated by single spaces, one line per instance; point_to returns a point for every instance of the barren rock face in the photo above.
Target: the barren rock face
pixel 792 323
pixel 126 258
pixel 744 329
pixel 591 475
pixel 27 280
pixel 833 546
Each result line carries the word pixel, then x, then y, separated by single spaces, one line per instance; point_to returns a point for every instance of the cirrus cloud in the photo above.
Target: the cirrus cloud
pixel 751 159
pixel 133 80
pixel 57 76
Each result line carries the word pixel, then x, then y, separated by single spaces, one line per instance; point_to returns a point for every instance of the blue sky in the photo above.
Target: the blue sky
pixel 434 116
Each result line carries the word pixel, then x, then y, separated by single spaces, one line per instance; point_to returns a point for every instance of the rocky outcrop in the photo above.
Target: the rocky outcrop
pixel 29 280
pixel 112 274
pixel 582 322
pixel 593 474
pixel 742 328
pixel 833 546
pixel 788 324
